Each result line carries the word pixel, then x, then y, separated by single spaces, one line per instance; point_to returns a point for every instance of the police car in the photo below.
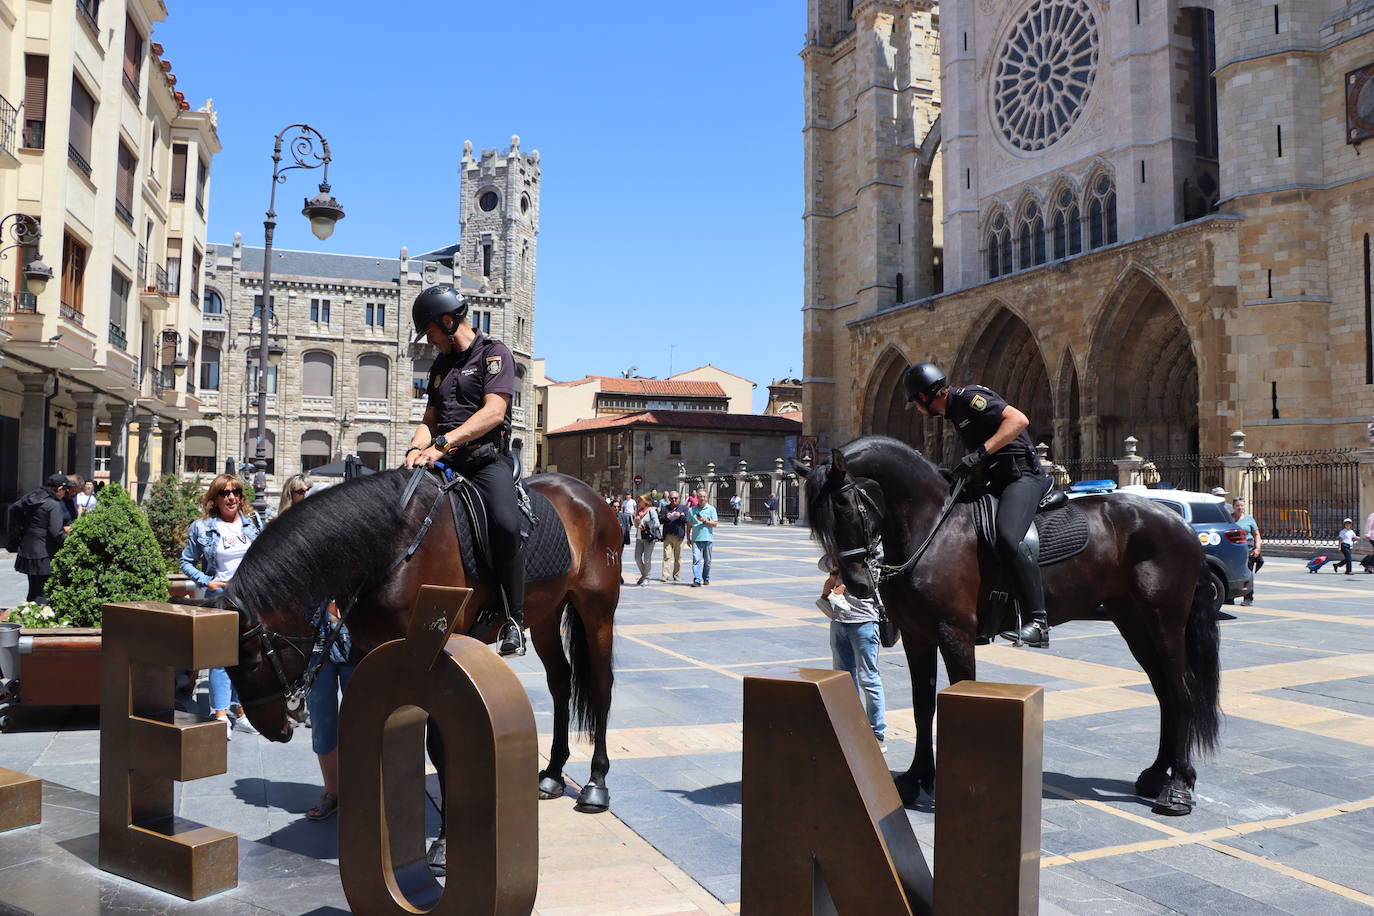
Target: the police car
pixel 1223 544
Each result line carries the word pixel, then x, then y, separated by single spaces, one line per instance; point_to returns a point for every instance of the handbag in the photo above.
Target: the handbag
pixel 888 634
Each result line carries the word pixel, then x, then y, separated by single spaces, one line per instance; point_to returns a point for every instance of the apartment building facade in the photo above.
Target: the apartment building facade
pixel 105 176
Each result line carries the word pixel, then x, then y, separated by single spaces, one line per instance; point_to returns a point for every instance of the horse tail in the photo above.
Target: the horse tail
pixel 580 657
pixel 1203 676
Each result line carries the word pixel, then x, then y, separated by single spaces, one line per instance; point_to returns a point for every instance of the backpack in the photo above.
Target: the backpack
pixel 652 525
pixel 17 519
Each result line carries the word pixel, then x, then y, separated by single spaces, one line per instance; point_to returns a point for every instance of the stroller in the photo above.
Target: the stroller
pixel 1316 563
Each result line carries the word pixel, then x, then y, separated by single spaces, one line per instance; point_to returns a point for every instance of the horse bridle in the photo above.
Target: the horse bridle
pixel 295 691
pixel 879 573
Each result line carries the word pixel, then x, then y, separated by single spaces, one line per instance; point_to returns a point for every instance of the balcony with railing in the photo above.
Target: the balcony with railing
pixel 156 289
pixel 118 338
pixel 25 301
pixel 142 266
pixel 73 314
pixel 9 121
pixel 124 213
pixel 132 88
pixel 178 197
pixel 34 133
pixel 78 160
pixel 200 206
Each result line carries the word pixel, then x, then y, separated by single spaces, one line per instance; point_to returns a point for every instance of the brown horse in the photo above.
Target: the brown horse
pixel 1141 565
pixel 362 542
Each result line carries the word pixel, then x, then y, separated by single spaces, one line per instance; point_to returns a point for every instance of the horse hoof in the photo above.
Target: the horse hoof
pixel 1174 801
pixel 551 787
pixel 909 790
pixel 437 857
pixel 1150 783
pixel 593 799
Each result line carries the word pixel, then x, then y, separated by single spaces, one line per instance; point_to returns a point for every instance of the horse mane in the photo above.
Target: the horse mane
pixel 859 456
pixel 337 541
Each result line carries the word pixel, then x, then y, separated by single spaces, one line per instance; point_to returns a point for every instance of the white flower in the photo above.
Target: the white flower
pixel 47 613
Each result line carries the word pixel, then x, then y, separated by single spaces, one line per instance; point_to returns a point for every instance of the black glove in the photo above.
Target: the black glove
pixel 972 460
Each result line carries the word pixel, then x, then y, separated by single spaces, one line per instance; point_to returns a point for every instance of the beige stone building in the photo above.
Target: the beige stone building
pixel 1147 219
pixel 102 153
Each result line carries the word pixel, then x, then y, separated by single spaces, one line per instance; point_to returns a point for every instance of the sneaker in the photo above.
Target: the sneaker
pixel 1247 601
pixel 696 584
pixel 664 579
pixel 705 581
pixel 241 724
pixel 882 745
pixel 641 580
pixel 228 728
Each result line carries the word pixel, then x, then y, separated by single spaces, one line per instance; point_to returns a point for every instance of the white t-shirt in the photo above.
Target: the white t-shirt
pixel 86 501
pixel 1347 536
pixel 233 544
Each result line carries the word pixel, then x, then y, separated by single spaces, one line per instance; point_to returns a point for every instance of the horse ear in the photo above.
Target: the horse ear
pixel 837 461
pixel 801 467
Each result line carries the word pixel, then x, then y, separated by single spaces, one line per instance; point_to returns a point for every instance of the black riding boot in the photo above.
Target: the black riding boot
pixel 512 575
pixel 1035 631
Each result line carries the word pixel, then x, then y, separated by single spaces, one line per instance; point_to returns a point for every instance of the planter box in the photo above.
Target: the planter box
pixel 63 669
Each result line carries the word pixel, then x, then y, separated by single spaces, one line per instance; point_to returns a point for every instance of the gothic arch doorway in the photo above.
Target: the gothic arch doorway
pixel 885 410
pixel 1147 372
pixel 1004 356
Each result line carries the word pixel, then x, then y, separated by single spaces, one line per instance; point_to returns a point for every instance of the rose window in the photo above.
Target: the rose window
pixel 1045 72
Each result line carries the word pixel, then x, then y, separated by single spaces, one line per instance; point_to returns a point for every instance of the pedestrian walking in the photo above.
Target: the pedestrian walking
pixel 85 498
pixel 1253 543
pixel 335 671
pixel 735 504
pixel 41 516
pixel 674 518
pixel 1346 537
pixel 854 643
pixel 215 545
pixel 771 504
pixel 650 531
pixel 702 518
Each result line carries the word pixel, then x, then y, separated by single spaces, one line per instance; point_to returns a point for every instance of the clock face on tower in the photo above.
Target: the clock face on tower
pixel 1044 73
pixel 487 201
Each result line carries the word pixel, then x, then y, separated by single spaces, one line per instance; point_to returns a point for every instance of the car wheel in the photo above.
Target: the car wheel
pixel 1216 595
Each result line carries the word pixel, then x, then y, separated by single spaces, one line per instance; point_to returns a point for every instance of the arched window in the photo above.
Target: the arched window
pixel 317 374
pixel 1102 213
pixel 1068 225
pixel 316 447
pixel 211 303
pixel 373 371
pixel 999 247
pixel 372 450
pixel 200 448
pixel 1031 237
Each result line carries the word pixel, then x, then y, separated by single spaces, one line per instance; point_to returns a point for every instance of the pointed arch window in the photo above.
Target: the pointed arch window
pixel 1102 213
pixel 1031 237
pixel 1068 225
pixel 999 247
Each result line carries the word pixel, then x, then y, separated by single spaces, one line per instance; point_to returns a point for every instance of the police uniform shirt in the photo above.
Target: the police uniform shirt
pixel 460 381
pixel 976 413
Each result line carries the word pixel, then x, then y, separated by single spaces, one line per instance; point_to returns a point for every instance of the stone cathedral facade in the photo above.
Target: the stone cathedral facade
pixel 1130 217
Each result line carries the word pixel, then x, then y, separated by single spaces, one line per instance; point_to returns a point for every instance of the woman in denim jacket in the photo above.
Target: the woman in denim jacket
pixel 215 545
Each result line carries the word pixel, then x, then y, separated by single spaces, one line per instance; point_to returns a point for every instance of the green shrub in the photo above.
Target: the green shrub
pixel 109 555
pixel 171 506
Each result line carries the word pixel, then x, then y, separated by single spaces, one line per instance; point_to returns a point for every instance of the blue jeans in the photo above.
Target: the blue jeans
pixel 854 647
pixel 223 694
pixel 323 703
pixel 701 561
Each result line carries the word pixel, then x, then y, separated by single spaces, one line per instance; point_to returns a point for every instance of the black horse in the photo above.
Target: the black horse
pixel 1142 566
pixel 356 543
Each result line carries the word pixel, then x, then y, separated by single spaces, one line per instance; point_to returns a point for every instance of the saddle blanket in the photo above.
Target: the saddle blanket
pixel 547 555
pixel 1063 532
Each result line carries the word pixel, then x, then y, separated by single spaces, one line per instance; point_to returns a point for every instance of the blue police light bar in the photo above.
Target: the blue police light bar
pixel 1093 486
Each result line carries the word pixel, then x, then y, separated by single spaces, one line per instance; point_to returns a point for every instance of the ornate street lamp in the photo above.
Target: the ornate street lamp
pixel 323 211
pixel 24 231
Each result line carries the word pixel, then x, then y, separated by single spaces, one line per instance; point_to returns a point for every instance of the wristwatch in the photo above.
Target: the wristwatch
pixel 440 442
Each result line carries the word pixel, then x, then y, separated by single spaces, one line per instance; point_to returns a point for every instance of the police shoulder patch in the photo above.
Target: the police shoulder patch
pixel 493 365
pixel 979 402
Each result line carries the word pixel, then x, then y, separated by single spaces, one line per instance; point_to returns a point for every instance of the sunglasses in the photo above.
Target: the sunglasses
pixel 238 493
pixel 298 492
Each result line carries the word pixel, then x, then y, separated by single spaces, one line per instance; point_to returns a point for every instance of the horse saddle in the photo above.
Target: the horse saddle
pixel 1058 531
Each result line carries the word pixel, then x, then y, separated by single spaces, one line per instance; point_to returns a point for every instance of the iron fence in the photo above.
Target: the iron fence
pixel 1081 469
pixel 9 119
pixel 1199 473
pixel 1304 496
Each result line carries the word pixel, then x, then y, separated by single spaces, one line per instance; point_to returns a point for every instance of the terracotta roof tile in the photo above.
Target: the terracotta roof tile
pixel 687 419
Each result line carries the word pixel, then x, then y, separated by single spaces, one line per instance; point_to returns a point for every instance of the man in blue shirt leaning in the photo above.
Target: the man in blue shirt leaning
pixel 702 518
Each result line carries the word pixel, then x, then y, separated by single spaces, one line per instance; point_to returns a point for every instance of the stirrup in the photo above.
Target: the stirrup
pixel 1033 634
pixel 512 641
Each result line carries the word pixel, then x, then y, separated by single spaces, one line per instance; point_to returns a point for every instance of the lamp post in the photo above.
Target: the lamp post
pixel 24 231
pixel 323 211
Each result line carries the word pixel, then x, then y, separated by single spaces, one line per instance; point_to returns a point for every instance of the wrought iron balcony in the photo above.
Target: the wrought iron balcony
pixel 34 132
pixel 122 211
pixel 161 282
pixel 118 338
pixel 178 197
pixel 132 88
pixel 79 160
pixel 72 313
pixel 9 120
pixel 85 11
pixel 25 301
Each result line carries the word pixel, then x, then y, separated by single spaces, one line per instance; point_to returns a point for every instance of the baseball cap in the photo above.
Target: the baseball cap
pixel 1219 491
pixel 57 480
pixel 1348 520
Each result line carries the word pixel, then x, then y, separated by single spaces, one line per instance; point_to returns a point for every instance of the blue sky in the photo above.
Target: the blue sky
pixel 670 137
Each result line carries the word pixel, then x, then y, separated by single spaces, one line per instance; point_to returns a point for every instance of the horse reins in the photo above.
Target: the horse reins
pixel 877 572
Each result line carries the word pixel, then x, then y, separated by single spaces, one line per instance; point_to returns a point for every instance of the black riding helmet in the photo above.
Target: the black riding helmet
pixel 923 382
pixel 435 301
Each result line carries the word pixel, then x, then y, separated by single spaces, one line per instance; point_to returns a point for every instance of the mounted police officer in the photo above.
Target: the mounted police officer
pixel 997 437
pixel 467 424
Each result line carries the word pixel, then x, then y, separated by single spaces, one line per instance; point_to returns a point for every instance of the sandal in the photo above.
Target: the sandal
pixel 325 807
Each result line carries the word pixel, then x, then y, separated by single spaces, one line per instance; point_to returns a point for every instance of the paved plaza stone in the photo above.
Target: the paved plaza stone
pixel 1285 809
